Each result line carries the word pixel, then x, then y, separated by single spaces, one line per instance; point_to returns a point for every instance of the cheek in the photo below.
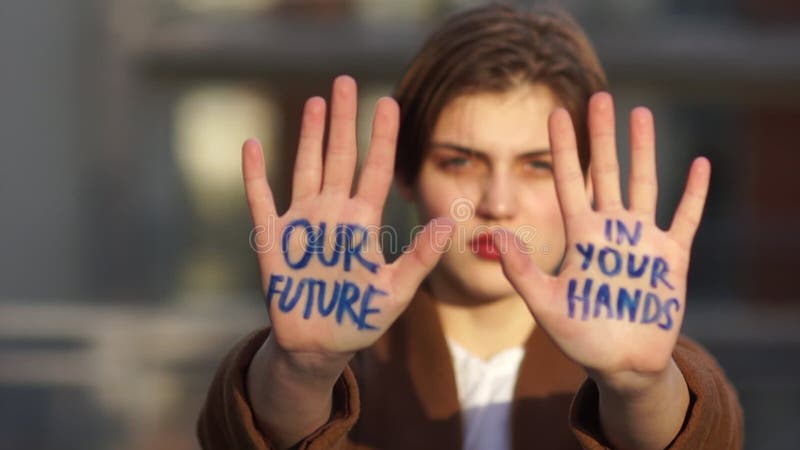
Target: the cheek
pixel 549 242
pixel 437 195
pixel 544 212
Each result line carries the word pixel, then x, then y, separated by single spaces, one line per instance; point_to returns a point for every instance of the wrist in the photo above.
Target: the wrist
pixel 309 368
pixel 291 394
pixel 628 395
pixel 632 384
pixel 642 410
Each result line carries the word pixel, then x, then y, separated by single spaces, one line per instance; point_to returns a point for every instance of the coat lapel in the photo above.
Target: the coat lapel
pixel 409 386
pixel 546 384
pixel 413 377
pixel 430 367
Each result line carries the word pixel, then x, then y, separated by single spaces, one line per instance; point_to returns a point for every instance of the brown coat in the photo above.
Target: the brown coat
pixel 405 397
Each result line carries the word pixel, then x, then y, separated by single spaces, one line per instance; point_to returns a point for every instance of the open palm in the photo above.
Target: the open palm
pixel 617 304
pixel 327 286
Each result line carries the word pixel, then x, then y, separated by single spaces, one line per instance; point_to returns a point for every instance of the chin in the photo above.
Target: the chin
pixel 478 282
pixel 487 292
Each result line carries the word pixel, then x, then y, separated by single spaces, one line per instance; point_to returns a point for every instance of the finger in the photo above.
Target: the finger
pixel 340 161
pixel 307 177
pixel 256 186
pixel 422 255
pixel 567 168
pixel 642 181
pixel 533 284
pixel 604 166
pixel 690 209
pixel 376 176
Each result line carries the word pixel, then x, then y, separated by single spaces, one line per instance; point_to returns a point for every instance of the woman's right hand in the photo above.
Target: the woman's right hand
pixel 328 289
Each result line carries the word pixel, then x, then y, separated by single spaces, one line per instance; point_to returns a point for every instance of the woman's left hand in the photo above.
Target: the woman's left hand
pixel 617 304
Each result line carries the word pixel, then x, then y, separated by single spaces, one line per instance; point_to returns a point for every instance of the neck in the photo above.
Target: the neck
pixel 489 327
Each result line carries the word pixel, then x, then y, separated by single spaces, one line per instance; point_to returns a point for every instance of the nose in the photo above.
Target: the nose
pixel 498 198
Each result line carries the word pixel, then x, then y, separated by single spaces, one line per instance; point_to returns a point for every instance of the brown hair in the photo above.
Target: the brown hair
pixel 494 48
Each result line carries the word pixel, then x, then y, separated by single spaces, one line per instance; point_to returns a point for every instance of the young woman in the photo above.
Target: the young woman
pixel 534 310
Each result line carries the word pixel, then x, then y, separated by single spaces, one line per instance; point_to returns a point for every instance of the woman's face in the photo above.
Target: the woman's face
pixel 489 164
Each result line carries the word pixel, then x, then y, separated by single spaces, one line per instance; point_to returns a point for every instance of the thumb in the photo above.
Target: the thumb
pixel 533 284
pixel 422 256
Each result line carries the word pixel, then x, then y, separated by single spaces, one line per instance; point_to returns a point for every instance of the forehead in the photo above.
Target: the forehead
pixel 508 122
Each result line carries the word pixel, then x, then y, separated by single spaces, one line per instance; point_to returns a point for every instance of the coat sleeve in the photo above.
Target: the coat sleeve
pixel 714 420
pixel 227 422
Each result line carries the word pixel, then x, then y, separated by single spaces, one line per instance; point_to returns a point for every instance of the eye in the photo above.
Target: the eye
pixel 456 162
pixel 540 165
pixel 544 165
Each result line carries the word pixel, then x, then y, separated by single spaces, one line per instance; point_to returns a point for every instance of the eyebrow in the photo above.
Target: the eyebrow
pixel 483 155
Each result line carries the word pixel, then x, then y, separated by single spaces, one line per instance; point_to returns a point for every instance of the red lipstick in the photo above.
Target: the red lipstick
pixel 483 247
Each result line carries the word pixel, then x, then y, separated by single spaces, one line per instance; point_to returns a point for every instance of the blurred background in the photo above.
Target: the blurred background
pixel 125 267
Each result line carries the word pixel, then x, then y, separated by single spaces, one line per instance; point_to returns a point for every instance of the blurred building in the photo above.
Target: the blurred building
pixel 126 266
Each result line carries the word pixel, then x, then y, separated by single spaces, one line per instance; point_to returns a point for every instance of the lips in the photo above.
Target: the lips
pixel 483 247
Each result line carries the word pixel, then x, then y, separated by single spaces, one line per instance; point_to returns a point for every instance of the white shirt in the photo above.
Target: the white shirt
pixel 485 390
